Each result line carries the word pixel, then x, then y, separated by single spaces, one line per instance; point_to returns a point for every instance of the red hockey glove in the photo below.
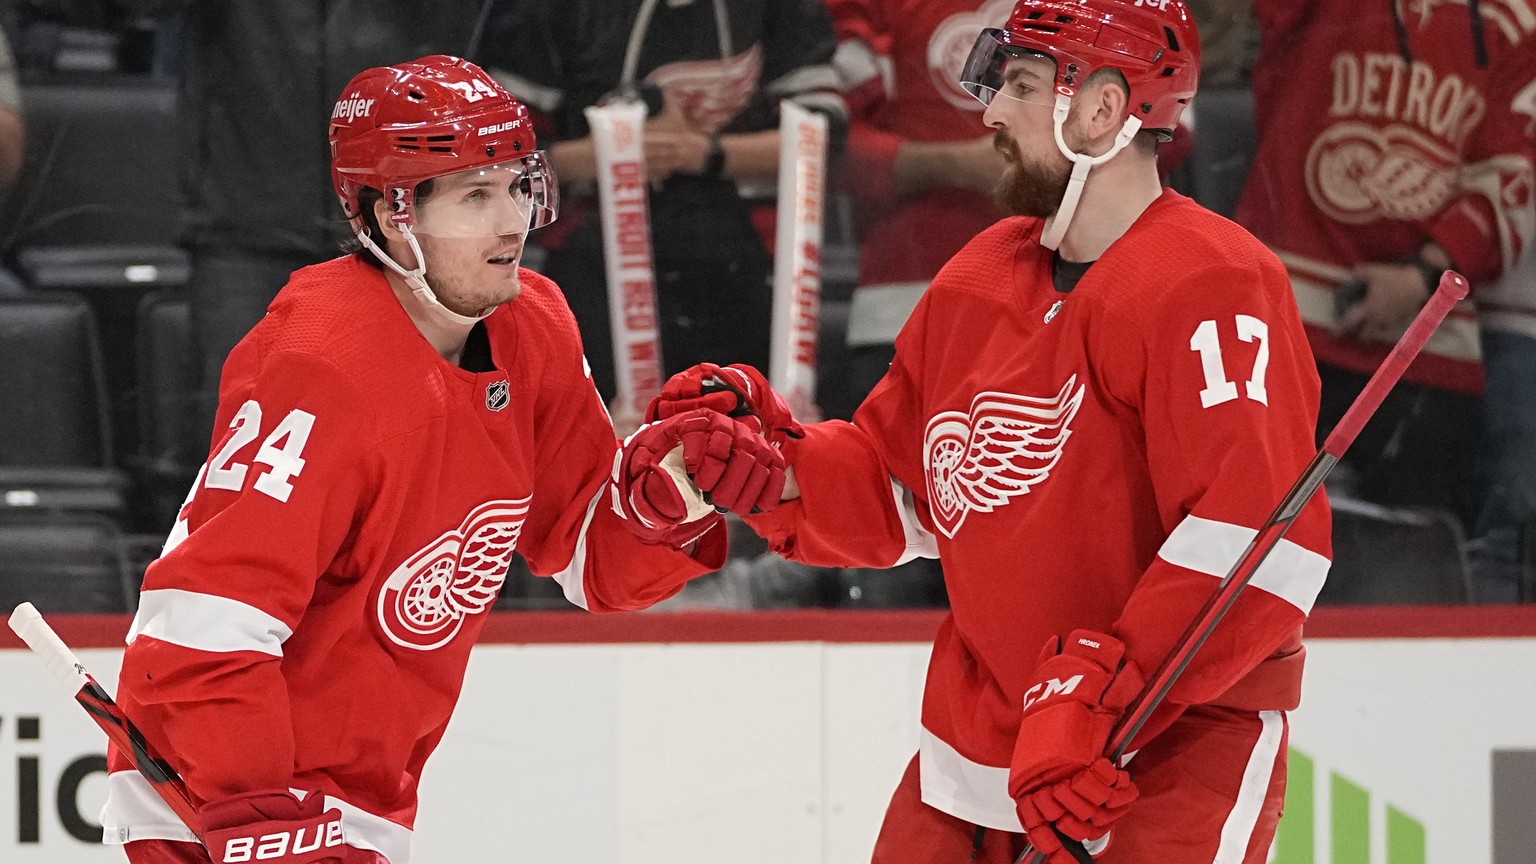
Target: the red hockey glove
pixel 1060 775
pixel 666 468
pixel 737 390
pixel 273 827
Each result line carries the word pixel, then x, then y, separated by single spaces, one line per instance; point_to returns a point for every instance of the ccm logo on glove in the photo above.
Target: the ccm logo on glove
pixel 1047 689
pixel 1055 686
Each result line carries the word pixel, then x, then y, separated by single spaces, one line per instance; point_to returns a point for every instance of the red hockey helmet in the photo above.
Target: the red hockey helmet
pixel 395 126
pixel 1152 42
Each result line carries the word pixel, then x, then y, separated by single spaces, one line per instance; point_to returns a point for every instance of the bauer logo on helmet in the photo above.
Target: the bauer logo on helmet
pixel 497 129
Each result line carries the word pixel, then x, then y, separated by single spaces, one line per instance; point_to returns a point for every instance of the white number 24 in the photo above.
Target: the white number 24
pixel 1217 388
pixel 279 450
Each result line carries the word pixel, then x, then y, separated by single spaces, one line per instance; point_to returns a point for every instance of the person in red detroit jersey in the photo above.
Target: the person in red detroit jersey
pixel 1090 413
pixel 402 419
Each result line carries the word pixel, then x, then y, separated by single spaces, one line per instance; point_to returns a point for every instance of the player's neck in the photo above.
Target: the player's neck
pixel 446 337
pixel 1115 196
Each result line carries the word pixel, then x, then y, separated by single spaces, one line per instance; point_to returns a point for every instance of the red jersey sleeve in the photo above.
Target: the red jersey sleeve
pixel 1277 16
pixel 573 534
pixel 1487 228
pixel 1228 393
pixel 268 512
pixel 863 63
pixel 857 505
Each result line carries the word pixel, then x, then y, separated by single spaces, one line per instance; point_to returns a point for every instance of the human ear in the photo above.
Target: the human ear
pixel 1101 115
pixel 385 218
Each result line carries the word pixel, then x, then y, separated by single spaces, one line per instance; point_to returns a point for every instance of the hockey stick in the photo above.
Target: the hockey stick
pixel 28 624
pixel 1452 288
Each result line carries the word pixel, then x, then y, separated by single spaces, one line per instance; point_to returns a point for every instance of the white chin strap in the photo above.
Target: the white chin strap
pixel 1056 226
pixel 417 278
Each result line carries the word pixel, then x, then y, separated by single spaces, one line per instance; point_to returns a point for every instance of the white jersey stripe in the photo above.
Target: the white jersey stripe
pixel 920 541
pixel 962 788
pixel 134 811
pixel 1237 831
pixel 1313 283
pixel 364 830
pixel 821 76
pixel 206 622
pixel 573 579
pixel 857 63
pixel 878 312
pixel 1292 573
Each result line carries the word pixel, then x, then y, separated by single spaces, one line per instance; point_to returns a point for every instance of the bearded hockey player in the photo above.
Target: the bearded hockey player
pixel 1090 412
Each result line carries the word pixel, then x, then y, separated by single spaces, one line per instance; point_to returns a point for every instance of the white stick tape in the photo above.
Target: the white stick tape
pixel 28 624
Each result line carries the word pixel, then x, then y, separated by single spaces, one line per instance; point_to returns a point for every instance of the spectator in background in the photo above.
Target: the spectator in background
pixel 921 167
pixel 258 77
pixel 12 140
pixel 1394 142
pixel 921 170
pixel 718 69
pixel 1504 533
pixel 12 137
pixel 1227 36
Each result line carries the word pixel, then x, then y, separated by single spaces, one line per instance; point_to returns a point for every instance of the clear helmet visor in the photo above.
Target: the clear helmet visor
pixel 501 200
pixel 995 69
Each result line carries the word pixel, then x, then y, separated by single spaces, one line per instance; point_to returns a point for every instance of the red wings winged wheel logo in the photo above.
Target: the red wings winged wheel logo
pixel 981 459
pixel 426 599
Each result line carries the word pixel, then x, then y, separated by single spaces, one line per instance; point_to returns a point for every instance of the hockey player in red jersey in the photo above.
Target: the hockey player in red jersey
pixel 1089 414
pixel 401 420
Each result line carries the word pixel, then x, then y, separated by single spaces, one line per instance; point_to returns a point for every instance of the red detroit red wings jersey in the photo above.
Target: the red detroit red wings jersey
pixel 309 622
pixel 1095 459
pixel 901 62
pixel 1374 141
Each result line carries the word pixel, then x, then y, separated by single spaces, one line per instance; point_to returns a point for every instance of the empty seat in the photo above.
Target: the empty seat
pixel 64 564
pixel 1384 555
pixel 100 166
pixel 167 375
pixel 108 266
pixel 833 389
pixel 1225 140
pixel 114 279
pixel 55 434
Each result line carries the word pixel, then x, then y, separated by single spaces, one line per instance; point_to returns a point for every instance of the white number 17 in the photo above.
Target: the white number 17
pixel 1217 388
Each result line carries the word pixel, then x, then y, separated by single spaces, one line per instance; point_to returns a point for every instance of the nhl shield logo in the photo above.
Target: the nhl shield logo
pixel 496 395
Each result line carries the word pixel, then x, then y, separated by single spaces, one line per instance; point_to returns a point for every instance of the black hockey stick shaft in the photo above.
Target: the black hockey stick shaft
pixel 28 624
pixel 1452 288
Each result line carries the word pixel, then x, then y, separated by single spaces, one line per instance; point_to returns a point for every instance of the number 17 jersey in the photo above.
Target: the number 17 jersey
pixel 1092 459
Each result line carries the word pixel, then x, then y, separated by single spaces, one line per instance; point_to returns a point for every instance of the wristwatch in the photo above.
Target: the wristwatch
pixel 714 158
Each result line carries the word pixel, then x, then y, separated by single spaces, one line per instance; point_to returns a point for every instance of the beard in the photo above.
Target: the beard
pixel 1027 187
pixel 454 269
